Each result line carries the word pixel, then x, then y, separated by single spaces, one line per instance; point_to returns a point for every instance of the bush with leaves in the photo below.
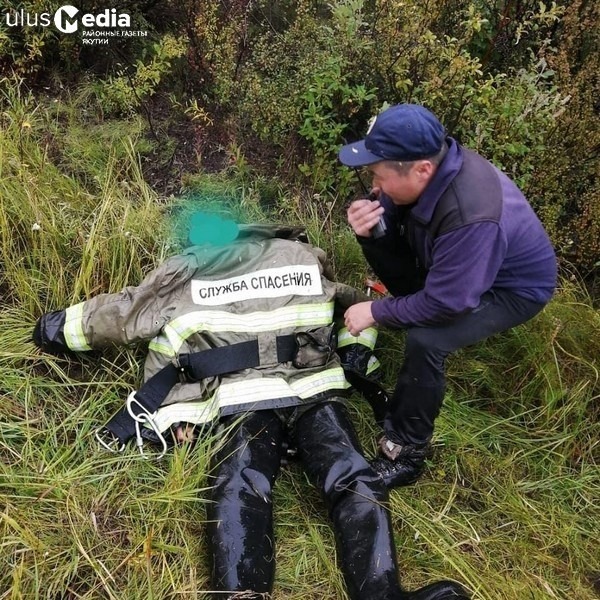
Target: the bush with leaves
pixel 566 183
pixel 124 92
pixel 287 83
pixel 26 50
pixel 302 96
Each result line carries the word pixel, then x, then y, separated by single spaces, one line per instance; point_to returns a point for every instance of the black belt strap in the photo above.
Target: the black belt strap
pixel 194 367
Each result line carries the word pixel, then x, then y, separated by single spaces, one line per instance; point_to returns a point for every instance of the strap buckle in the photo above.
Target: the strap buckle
pixel 184 371
pixel 141 418
pixel 108 440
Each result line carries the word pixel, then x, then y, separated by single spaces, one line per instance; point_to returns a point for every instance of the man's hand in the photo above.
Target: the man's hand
pixel 359 317
pixel 363 215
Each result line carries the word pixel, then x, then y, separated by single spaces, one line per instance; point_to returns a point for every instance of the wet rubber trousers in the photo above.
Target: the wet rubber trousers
pixel 240 512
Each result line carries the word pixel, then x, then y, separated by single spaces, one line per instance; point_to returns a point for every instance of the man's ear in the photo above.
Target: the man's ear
pixel 425 169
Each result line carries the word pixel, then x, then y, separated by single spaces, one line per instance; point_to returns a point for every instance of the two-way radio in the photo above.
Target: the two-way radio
pixel 380 229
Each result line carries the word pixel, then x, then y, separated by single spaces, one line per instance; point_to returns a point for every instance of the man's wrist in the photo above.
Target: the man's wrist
pixel 377 310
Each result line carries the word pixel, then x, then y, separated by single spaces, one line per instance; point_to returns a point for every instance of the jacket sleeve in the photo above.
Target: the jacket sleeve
pixel 135 314
pixel 465 264
pixel 345 295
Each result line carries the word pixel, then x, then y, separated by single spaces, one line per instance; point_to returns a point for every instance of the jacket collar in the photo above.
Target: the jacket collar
pixel 425 206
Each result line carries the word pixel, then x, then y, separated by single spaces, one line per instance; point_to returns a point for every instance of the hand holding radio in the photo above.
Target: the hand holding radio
pixel 379 229
pixel 365 216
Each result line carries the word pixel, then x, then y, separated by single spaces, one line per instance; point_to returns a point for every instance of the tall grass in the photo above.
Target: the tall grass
pixel 70 223
pixel 509 505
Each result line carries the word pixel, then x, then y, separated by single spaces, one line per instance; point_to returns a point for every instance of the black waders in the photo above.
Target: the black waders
pixel 240 512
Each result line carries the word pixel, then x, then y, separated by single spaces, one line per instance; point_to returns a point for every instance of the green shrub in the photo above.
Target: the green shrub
pixel 25 51
pixel 566 182
pixel 123 93
pixel 328 105
pixel 302 96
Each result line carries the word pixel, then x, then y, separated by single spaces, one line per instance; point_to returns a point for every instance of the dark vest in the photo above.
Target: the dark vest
pixel 474 195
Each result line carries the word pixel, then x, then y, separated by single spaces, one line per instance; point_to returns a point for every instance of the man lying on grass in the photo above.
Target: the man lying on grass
pixel 241 334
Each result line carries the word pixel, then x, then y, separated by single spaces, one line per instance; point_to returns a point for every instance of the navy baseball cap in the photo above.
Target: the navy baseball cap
pixel 402 132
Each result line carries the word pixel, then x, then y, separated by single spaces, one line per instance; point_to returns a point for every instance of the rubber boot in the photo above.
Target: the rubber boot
pixel 355 496
pixel 240 515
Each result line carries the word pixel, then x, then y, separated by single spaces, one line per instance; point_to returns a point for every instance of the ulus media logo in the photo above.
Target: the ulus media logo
pixel 67 19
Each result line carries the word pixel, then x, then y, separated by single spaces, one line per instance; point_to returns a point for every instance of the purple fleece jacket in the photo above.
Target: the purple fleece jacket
pixel 510 252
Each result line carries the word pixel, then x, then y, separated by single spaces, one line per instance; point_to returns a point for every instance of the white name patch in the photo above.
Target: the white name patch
pixel 296 280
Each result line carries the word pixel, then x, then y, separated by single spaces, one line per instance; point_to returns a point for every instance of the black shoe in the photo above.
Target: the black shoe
pixel 442 590
pixel 400 464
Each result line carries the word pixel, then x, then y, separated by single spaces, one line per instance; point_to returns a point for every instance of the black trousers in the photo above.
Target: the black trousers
pixel 241 540
pixel 421 383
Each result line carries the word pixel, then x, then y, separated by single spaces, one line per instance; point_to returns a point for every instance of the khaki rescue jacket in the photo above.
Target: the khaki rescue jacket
pixel 264 285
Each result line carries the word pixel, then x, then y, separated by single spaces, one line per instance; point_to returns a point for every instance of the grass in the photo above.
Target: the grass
pixel 509 505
